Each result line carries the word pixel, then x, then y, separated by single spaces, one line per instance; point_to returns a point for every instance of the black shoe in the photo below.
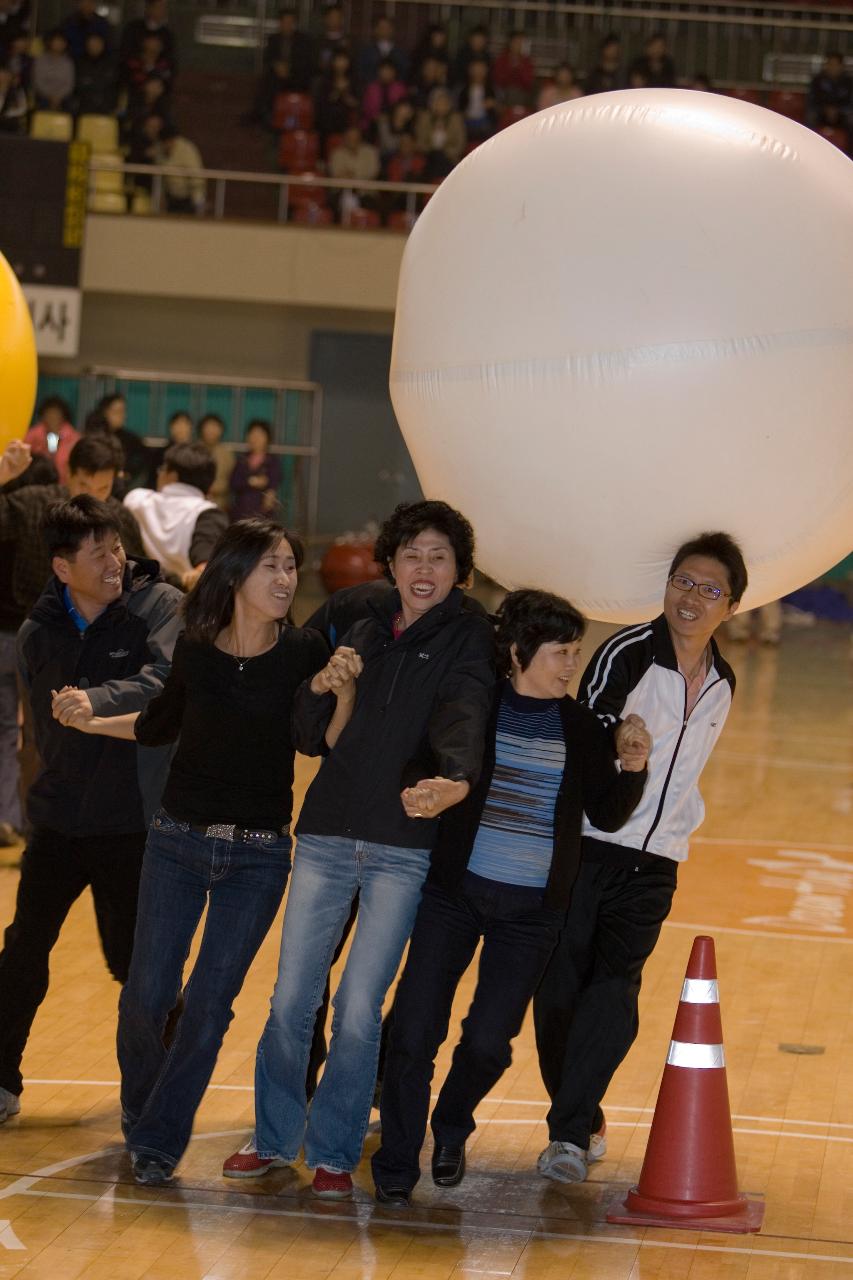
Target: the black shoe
pixel 448 1165
pixel 148 1171
pixel 394 1197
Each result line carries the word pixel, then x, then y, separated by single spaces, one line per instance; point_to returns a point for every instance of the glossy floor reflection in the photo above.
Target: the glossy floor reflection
pixel 770 876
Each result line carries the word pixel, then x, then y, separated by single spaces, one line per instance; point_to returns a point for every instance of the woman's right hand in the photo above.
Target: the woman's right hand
pixel 339 674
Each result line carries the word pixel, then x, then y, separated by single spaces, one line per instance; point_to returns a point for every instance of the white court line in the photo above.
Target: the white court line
pixel 514 1102
pixel 784 842
pixel 366 1221
pixel 757 933
pixel 647 1124
pixel 782 762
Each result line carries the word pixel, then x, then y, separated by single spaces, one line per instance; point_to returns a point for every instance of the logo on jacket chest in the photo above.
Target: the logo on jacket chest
pixel 119 653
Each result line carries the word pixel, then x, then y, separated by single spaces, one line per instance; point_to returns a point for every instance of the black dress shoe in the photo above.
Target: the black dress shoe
pixel 448 1165
pixel 394 1197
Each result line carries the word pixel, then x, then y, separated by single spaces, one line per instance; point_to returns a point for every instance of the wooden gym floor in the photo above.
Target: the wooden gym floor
pixel 770 877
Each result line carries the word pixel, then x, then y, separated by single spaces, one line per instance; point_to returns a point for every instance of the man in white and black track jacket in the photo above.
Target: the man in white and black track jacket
pixel 670 674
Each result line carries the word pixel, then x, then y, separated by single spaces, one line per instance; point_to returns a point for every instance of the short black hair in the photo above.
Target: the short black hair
pixel 55 402
pixel 528 619
pixel 67 525
pixel 210 417
pixel 96 453
pixel 264 426
pixel 411 518
pixel 716 546
pixel 192 464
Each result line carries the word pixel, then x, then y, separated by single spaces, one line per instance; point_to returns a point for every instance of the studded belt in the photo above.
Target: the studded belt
pixel 237 835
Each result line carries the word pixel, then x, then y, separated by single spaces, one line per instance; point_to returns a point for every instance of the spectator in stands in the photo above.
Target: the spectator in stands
pixel 13 103
pixel 830 95
pixel 432 44
pixel 109 417
pixel 334 39
pixel 291 48
pixel 53 74
pixel 14 23
pixel 637 78
pixel 381 95
pixel 607 74
pixel 477 102
pixel 53 434
pixel 96 91
pixel 382 48
pixel 336 101
pixel 211 429
pixel 257 474
pixel 702 82
pixel 655 66
pixel 179 430
pixel 152 22
pixel 392 126
pixel 440 134
pixel 136 71
pixel 354 159
pixel 476 46
pixel 562 87
pixel 513 73
pixel 432 76
pixel 184 193
pixel 180 525
pixel 19 61
pixel 85 21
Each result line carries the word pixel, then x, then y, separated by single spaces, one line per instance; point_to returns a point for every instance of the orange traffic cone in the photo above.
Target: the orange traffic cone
pixel 689 1177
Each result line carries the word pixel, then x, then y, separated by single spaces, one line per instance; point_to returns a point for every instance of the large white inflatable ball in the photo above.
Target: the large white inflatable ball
pixel 627 319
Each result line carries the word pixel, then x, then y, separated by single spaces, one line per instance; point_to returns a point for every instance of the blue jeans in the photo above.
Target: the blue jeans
pixel 327 873
pixel 242 885
pixel 10 804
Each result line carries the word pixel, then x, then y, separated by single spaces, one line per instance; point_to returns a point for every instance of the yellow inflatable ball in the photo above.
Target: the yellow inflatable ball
pixel 18 367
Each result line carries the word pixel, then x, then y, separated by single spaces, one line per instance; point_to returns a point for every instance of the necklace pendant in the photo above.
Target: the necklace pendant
pixel 240 666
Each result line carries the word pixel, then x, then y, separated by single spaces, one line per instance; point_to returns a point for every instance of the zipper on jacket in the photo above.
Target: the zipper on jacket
pixel 665 788
pixel 387 702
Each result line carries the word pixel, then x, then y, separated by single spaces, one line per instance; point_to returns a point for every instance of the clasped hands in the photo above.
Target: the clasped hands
pixel 339 674
pixel 633 744
pixel 72 707
pixel 431 796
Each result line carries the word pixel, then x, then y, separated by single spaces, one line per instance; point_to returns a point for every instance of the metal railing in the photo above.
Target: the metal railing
pixel 217 180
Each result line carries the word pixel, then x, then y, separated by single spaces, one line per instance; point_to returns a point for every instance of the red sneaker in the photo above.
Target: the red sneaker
pixel 329 1185
pixel 246 1163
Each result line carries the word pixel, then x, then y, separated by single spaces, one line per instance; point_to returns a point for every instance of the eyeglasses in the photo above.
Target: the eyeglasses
pixel 707 590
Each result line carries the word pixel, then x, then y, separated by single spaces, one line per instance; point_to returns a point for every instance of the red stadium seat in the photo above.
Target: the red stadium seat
pixel 401 220
pixel 305 193
pixel 293 111
pixel 787 102
pixel 298 150
pixel 746 95
pixel 406 170
pixel 838 137
pixel 361 219
pixel 313 215
pixel 512 114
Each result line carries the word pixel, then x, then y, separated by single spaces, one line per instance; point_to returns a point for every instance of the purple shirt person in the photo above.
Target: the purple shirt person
pixel 256 476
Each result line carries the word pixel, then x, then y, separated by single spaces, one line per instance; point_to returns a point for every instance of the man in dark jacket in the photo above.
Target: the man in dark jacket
pixel 99 640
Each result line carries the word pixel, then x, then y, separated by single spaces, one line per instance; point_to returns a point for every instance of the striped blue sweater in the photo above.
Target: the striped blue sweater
pixel 515 839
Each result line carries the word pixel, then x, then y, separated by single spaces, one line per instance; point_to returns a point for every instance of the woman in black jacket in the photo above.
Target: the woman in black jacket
pixel 427 679
pixel 502 871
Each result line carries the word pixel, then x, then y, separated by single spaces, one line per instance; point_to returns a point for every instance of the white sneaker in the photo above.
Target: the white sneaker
pixel 597 1145
pixel 562 1162
pixel 9 1105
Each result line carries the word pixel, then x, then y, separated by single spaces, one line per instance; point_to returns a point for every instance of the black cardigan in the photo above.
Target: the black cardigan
pixel 591 783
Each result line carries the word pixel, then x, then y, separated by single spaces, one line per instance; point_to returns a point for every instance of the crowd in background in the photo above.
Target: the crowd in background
pixel 355 110
pixel 245 482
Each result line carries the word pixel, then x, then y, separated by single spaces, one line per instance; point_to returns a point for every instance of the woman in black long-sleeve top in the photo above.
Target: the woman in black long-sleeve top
pixel 222 837
pixel 502 871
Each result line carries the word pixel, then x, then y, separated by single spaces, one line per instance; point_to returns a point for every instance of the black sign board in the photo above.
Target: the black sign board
pixel 43 188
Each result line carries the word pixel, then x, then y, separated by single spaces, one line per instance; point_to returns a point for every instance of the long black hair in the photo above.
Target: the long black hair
pixel 209 607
